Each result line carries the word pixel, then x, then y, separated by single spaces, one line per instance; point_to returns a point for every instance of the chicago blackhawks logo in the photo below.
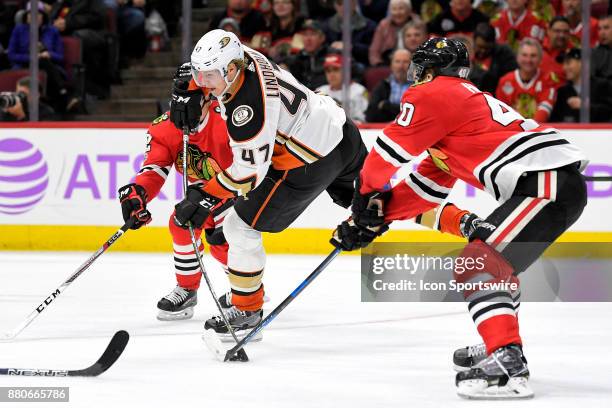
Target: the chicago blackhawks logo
pixel 200 165
pixel 526 105
pixel 439 158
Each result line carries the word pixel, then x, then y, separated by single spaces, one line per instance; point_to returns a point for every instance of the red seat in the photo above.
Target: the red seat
pixel 73 54
pixel 374 75
pixel 8 79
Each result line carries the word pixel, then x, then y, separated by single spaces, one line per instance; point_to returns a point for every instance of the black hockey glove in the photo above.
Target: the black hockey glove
pixel 133 199
pixel 348 236
pixel 368 208
pixel 195 208
pixel 468 224
pixel 186 105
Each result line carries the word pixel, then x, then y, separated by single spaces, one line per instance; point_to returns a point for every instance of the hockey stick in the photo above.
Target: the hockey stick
pixel 215 344
pixel 598 178
pixel 46 302
pixel 108 358
pixel 241 356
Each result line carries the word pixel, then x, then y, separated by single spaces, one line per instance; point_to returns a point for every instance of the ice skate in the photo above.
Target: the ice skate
pixel 467 357
pixel 177 305
pixel 241 321
pixel 502 375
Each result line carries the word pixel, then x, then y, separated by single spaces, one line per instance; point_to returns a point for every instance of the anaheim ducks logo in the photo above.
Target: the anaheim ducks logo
pixel 200 165
pixel 224 41
pixel 439 158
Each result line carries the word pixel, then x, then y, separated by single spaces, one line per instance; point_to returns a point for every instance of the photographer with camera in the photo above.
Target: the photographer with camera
pixel 14 105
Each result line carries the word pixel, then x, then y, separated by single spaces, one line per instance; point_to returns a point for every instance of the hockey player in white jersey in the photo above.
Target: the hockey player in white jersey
pixel 289 145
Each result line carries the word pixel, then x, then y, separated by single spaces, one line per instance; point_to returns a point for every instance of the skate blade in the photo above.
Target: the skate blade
pixel 459 368
pixel 516 388
pixel 184 314
pixel 241 334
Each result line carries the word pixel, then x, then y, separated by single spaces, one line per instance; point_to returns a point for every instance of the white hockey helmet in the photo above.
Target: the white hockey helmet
pixel 214 51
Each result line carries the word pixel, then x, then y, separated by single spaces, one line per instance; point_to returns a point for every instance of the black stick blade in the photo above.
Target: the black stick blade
pixel 109 357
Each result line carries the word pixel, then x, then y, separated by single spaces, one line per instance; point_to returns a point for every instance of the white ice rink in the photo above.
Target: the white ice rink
pixel 327 349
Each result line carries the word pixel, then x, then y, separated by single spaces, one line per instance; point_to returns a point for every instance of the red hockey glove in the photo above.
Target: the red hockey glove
pixel 133 199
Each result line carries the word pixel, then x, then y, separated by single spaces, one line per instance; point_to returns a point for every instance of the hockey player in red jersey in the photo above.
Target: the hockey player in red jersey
pixel 528 89
pixel 531 170
pixel 208 153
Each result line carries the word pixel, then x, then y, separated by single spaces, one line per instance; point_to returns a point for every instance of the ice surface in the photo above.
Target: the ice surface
pixel 327 349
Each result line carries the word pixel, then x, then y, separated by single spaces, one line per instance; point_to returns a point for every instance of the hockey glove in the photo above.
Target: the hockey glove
pixel 348 236
pixel 458 222
pixel 186 104
pixel 368 208
pixel 195 208
pixel 133 199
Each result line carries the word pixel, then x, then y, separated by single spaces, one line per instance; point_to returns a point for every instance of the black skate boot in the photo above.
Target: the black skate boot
pixel 241 321
pixel 502 375
pixel 177 305
pixel 467 357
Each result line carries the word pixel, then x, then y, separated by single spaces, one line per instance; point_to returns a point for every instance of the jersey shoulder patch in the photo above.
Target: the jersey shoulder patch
pixel 245 111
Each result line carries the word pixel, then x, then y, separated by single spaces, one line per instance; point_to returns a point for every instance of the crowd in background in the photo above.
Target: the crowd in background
pixel 525 52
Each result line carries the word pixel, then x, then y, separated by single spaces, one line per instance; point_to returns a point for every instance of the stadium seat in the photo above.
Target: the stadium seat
pixel 374 75
pixel 8 79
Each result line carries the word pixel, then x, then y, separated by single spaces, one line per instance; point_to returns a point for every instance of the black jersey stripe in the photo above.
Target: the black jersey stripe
pixel 508 150
pixel 427 189
pixel 190 260
pixel 245 274
pixel 391 152
pixel 519 156
pixel 487 297
pixel 491 307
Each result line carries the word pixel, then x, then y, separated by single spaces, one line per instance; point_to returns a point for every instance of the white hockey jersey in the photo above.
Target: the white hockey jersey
pixel 272 119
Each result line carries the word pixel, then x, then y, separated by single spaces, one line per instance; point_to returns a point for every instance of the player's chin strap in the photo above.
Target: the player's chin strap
pixel 242 356
pixel 229 85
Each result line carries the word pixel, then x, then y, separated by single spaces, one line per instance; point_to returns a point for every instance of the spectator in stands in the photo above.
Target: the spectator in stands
pixel 567 106
pixel 572 10
pixel 320 9
pixel 231 25
pixel 517 22
pixel 361 35
pixel 429 9
pixel 131 26
pixel 527 89
pixel 556 44
pixel 251 21
pixel 414 34
pixel 545 9
pixel 17 109
pixel 285 29
pixel 384 103
pixel 386 36
pixel 358 95
pixel 495 60
pixel 374 9
pixel 460 18
pixel 307 65
pixel 50 57
pixel 489 8
pixel 85 19
pixel 601 58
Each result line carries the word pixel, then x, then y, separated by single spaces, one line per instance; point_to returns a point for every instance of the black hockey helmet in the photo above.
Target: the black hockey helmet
pixel 446 56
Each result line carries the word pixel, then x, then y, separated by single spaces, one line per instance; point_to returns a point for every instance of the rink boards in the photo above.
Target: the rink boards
pixel 58 191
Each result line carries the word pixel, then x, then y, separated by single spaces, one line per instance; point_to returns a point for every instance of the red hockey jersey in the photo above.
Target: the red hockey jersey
pixel 208 151
pixel 534 99
pixel 511 31
pixel 469 135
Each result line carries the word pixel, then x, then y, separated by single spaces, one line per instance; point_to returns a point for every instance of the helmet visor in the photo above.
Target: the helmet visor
pixel 415 72
pixel 206 79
